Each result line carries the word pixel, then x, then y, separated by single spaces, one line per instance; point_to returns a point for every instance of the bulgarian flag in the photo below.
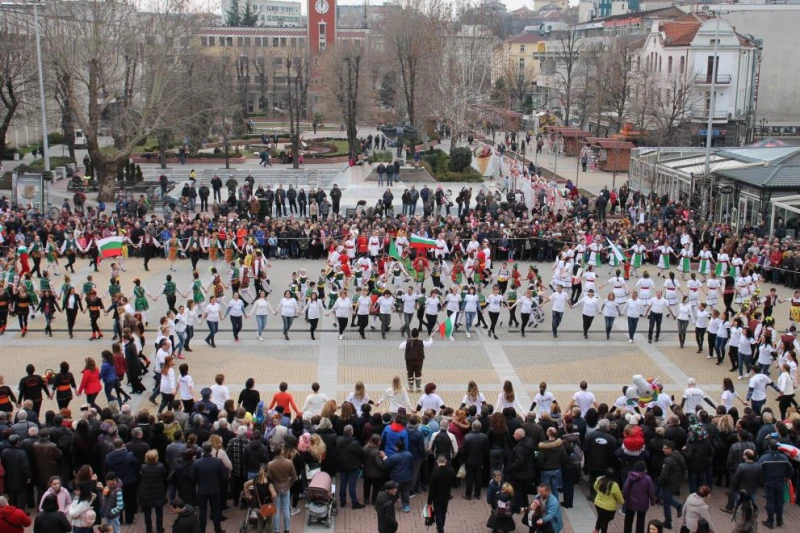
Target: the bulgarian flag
pixel 446 328
pixel 615 249
pixel 421 242
pixel 109 247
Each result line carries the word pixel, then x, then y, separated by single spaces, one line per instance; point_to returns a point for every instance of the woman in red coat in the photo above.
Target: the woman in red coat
pixel 90 382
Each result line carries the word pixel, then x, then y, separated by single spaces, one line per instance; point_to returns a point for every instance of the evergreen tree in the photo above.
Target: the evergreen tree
pixel 248 16
pixel 233 16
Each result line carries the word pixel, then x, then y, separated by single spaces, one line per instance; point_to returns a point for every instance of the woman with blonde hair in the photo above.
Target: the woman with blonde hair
pixel 502 503
pixel 358 397
pixel 260 491
pixel 473 397
pixel 152 490
pixel 397 397
pixel 329 411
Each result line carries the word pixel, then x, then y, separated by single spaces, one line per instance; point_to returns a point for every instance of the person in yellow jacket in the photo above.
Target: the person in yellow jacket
pixel 608 497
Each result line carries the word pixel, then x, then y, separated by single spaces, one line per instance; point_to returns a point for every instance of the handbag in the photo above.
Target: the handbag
pixel 427 514
pixel 462 472
pixel 266 510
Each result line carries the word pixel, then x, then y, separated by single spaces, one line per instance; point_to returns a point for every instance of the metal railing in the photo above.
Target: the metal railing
pixel 705 79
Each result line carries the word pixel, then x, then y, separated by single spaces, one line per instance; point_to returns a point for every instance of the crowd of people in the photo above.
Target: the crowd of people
pixel 434 270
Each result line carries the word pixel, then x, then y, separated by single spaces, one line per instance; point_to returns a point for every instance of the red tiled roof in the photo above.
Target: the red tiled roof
pixel 524 38
pixel 610 144
pixel 680 32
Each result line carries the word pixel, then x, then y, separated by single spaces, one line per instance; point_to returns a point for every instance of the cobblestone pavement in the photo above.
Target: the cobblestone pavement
pixel 337 364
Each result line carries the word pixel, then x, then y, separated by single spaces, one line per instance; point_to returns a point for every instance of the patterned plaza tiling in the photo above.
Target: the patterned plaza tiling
pixel 572 363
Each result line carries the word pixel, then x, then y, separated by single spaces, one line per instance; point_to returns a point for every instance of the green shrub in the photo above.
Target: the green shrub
pixel 460 159
pixel 55 138
pixel 469 175
pixel 383 157
pixel 37 166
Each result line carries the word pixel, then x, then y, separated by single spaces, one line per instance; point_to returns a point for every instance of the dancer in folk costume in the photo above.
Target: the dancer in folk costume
pixel 664 257
pixel 712 290
pixel 126 244
pixel 613 260
pixel 216 287
pixel 36 251
pixel 580 251
pixel 723 264
pixel 173 247
pixel 685 262
pixel 706 258
pixel 736 265
pixel 148 246
pixel 63 292
pixel 645 288
pixel 196 290
pixel 693 287
pixel 619 287
pixel 421 269
pixel 139 296
pixel 637 259
pixel 589 279
pixel 194 247
pixel 51 254
pixel 794 310
pixel 214 247
pixel 558 267
pixel 27 283
pixel 741 289
pixel 595 252
pixel 45 284
pixel 671 288
pixel 230 248
pixel 68 249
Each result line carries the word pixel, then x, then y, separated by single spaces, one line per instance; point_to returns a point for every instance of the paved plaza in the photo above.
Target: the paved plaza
pixel 338 364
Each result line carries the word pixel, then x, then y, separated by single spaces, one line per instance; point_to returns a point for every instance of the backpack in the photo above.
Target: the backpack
pixel 575 454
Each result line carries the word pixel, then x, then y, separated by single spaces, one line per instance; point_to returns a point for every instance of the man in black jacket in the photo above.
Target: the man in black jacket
pixel 747 477
pixel 475 448
pixel 18 472
pixel 336 197
pixel 384 506
pixel 124 464
pixel 442 480
pixel 598 452
pixel 349 457
pixel 216 186
pixel 670 480
pixel 522 469
pixel 210 476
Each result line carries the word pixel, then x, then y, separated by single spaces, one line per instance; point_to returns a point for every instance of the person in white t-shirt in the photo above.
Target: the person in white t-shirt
pixel 634 308
pixel 757 391
pixel 314 401
pixel 701 320
pixel 559 299
pixel 583 399
pixel 694 397
pixel 473 397
pixel 219 392
pixel 543 401
pixel 655 310
pixel 591 305
pixel 385 308
pixel 185 388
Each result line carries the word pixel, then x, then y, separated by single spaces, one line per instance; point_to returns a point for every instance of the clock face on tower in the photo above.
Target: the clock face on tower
pixel 321 6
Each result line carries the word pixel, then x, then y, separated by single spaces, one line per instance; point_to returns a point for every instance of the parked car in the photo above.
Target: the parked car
pixel 80 139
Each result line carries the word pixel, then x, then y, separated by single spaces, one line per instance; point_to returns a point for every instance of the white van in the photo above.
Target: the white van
pixel 80 139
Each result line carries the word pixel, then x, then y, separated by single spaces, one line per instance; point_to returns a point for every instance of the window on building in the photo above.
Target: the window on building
pixel 522 64
pixel 204 41
pixel 669 65
pixel 522 49
pixel 283 42
pixel 247 41
pixel 277 61
pixel 293 42
pixel 682 65
pixel 638 63
pixel 228 41
pixel 257 41
pixel 240 41
pixel 659 64
pixel 669 96
pixel 323 35
pixel 275 42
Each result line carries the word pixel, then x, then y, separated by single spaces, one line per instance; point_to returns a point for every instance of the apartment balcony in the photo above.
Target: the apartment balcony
pixel 550 80
pixel 705 79
pixel 701 115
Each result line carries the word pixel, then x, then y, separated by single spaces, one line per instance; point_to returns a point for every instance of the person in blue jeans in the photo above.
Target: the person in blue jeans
pixel 776 469
pixel 670 479
pixel 552 455
pixel 400 467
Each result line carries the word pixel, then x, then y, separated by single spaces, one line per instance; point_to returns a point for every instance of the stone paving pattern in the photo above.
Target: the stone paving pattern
pixel 562 362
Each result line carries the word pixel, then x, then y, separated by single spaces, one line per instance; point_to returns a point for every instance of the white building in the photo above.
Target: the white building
pixel 680 54
pixel 271 12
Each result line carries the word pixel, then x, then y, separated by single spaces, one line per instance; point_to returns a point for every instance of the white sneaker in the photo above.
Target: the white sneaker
pixel 739 377
pixel 630 341
pixel 261 338
pixel 341 337
pixel 451 338
pixel 709 357
pixel 295 511
pixel 468 335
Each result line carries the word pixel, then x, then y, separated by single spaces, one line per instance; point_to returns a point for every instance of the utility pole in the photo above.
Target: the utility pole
pixel 710 125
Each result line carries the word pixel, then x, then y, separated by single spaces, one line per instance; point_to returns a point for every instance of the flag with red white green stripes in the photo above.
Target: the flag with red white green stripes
pixel 421 242
pixel 446 328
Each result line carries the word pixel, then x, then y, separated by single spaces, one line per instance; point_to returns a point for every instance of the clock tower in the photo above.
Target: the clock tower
pixel 321 25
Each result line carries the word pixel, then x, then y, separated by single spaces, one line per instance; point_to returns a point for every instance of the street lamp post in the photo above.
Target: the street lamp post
pixel 45 143
pixel 763 123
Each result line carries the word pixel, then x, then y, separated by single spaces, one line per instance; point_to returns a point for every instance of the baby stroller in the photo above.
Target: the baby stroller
pixel 321 499
pixel 248 502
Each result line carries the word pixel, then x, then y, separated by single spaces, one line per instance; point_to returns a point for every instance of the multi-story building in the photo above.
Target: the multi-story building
pixel 280 13
pixel 513 62
pixel 681 55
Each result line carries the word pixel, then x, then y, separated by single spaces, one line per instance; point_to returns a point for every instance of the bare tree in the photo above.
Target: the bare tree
pixel 408 32
pixel 125 69
pixel 17 75
pixel 619 72
pixel 298 74
pixel 346 67
pixel 518 79
pixel 672 102
pixel 571 43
